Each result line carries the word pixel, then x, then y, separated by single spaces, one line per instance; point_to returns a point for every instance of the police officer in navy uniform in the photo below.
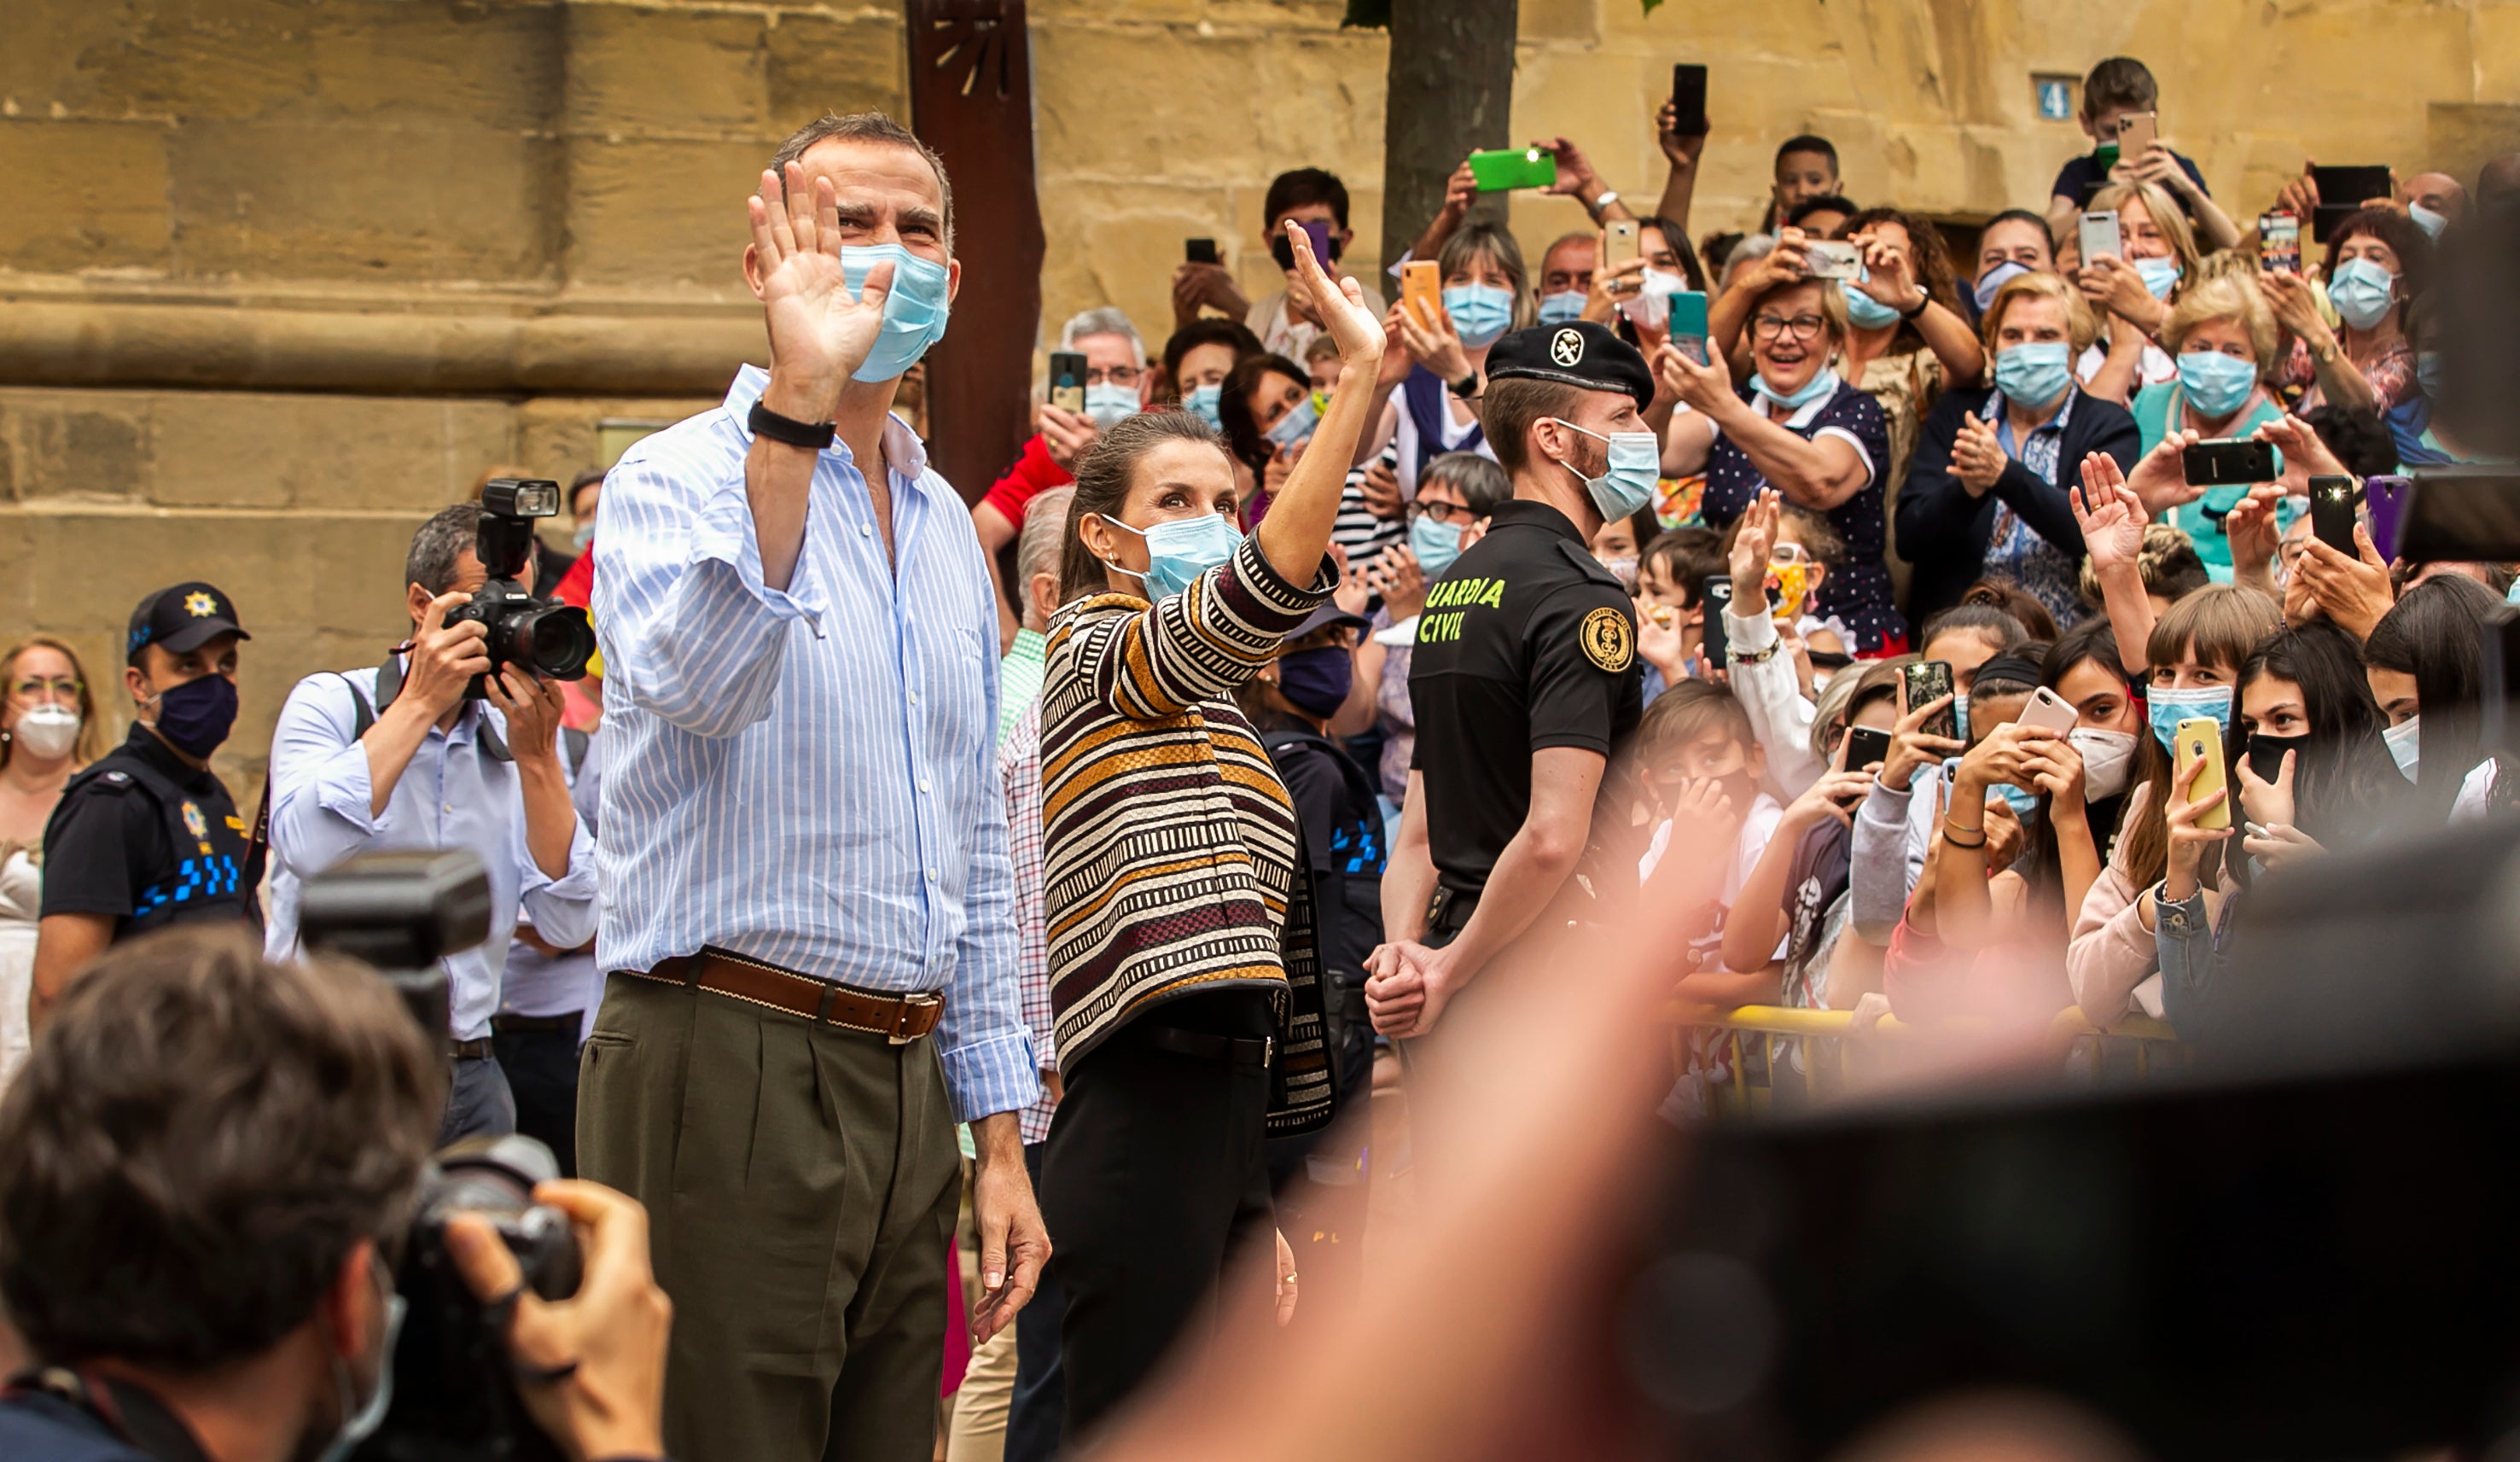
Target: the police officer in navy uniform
pixel 1525 679
pixel 147 837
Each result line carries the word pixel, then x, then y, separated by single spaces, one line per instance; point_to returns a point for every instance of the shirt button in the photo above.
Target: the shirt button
pixel 448 808
pixel 914 698
pixel 931 875
pixel 865 530
pixel 923 784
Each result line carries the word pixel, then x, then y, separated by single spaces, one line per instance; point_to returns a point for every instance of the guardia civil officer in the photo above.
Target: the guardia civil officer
pixel 1523 676
pixel 147 837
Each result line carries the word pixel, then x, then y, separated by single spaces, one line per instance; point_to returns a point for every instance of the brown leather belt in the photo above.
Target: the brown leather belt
pixel 469 1050
pixel 899 1019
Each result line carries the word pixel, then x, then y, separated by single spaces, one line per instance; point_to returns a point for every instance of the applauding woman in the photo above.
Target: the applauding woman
pixel 1183 971
pixel 1989 493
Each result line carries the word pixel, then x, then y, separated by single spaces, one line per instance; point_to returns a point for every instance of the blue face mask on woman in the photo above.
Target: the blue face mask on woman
pixel 1296 427
pixel 1811 390
pixel 2159 276
pixel 1480 312
pixel 1180 550
pixel 2215 384
pixel 2035 372
pixel 1201 403
pixel 2362 293
pixel 1863 311
pixel 914 313
pixel 1995 279
pixel 1437 545
pixel 2166 709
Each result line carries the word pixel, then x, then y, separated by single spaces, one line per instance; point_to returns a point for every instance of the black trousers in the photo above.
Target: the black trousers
pixel 1153 1182
pixel 542 1070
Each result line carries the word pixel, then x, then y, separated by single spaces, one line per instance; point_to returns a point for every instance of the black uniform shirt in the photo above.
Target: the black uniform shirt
pixel 1526 643
pixel 145 838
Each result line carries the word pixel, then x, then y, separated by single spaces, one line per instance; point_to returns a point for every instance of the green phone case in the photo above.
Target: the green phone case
pixel 1510 168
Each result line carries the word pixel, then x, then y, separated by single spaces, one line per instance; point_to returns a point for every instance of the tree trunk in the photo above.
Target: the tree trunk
pixel 970 98
pixel 1448 91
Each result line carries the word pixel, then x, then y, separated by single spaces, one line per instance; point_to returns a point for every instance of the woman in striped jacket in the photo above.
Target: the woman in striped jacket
pixel 1183 978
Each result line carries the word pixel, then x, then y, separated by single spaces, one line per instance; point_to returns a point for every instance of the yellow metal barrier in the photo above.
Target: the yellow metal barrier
pixel 1747 1060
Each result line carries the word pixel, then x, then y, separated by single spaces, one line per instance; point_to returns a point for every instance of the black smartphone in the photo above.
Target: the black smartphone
pixel 1200 252
pixel 1719 598
pixel 2230 462
pixel 1866 746
pixel 2332 500
pixel 1068 380
pixel 1689 100
pixel 1923 683
pixel 2341 192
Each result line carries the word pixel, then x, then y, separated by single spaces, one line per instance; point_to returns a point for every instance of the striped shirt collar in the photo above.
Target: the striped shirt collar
pixel 903 451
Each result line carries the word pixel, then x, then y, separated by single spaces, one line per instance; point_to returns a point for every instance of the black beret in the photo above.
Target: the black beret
pixel 1582 354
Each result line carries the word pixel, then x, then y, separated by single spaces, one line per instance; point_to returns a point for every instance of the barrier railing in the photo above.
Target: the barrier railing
pixel 1749 1060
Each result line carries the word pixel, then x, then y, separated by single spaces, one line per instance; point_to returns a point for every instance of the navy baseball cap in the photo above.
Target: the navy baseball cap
pixel 183 617
pixel 1581 355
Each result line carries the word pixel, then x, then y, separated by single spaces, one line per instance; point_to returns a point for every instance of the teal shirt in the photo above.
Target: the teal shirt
pixel 2156 407
pixel 1020 676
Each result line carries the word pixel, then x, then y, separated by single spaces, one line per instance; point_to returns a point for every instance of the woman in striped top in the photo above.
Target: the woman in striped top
pixel 1183 979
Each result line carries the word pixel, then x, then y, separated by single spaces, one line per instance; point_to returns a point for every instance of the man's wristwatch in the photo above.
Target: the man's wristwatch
pixel 1601 201
pixel 1924 302
pixel 1467 386
pixel 814 436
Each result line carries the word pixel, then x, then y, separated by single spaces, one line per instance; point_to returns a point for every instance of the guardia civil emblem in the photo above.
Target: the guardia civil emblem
pixel 1608 640
pixel 1566 348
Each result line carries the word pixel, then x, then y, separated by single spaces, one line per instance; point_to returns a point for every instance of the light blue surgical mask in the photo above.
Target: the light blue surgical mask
pixel 914 313
pixel 1480 312
pixel 1995 279
pixel 2033 373
pixel 1564 307
pixel 360 1423
pixel 2165 708
pixel 1180 550
pixel 1628 483
pixel 582 536
pixel 1108 405
pixel 1437 545
pixel 2362 293
pixel 1201 403
pixel 2022 801
pixel 2158 276
pixel 2430 222
pixel 2428 368
pixel 1296 427
pixel 1862 310
pixel 2406 743
pixel 1814 389
pixel 2215 384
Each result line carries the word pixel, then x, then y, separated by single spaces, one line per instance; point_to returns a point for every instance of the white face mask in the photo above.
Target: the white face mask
pixel 48 731
pixel 2406 743
pixel 2108 759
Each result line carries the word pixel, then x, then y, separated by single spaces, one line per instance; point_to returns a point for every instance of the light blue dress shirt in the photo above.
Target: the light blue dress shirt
pixel 808 777
pixel 454 794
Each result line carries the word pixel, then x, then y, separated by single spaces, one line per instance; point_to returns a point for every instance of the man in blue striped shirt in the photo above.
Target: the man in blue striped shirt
pixel 807 900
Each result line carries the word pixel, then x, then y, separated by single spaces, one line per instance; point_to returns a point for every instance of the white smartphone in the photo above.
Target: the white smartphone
pixel 2099 235
pixel 2048 710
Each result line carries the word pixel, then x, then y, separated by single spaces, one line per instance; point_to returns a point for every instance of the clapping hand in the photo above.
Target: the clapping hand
pixel 820 331
pixel 1401 580
pixel 1977 456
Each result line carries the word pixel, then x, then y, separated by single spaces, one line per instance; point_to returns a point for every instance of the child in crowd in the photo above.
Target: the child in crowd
pixel 1671 604
pixel 1696 732
pixel 2119 88
pixel 2168 564
pixel 1806 169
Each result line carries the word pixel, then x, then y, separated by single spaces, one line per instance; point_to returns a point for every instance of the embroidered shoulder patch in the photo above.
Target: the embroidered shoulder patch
pixel 1608 641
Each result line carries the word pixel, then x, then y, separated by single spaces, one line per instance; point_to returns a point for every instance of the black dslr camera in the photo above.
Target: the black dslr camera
pixel 545 636
pixel 455 1391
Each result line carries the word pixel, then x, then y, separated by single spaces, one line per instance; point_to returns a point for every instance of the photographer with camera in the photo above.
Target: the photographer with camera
pixel 450 744
pixel 214 1163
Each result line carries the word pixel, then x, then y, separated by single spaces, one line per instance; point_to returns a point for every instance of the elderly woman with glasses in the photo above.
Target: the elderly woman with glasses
pixel 47 733
pixel 1800 428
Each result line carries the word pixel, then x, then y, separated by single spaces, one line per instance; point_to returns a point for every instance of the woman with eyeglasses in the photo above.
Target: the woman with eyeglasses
pixel 47 733
pixel 1799 428
pixel 1454 496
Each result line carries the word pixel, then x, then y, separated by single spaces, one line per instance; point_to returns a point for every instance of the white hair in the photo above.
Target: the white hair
pixel 1108 320
pixel 1751 247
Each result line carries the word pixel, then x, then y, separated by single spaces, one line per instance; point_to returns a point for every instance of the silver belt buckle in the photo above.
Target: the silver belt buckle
pixel 909 1003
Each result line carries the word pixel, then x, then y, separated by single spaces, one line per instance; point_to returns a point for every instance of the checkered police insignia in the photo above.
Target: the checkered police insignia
pixel 1608 641
pixel 199 606
pixel 1566 348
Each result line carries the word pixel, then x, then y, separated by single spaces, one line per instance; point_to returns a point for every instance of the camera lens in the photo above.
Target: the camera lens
pixel 555 641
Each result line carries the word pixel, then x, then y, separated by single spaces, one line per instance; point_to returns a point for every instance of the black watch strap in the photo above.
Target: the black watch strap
pixel 1924 302
pixel 814 436
pixel 1467 386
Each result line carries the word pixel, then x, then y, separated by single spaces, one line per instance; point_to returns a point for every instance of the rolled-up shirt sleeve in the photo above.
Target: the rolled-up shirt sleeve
pixel 320 792
pixel 690 628
pixel 990 1065
pixel 563 909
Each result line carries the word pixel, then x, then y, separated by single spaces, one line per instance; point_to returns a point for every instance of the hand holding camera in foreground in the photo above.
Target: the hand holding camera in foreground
pixel 591 1367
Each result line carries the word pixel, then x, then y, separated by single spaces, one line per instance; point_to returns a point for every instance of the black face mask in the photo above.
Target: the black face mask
pixel 2266 754
pixel 195 716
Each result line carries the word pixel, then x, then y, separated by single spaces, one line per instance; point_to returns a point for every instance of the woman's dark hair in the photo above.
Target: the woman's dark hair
pixel 1986 621
pixel 1677 238
pixel 2341 777
pixel 1212 331
pixel 2012 598
pixel 2017 215
pixel 1242 434
pixel 1102 477
pixel 1824 203
pixel 2091 640
pixel 2435 633
pixel 1719 247
pixel 2016 671
pixel 2405 239
pixel 1933 260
